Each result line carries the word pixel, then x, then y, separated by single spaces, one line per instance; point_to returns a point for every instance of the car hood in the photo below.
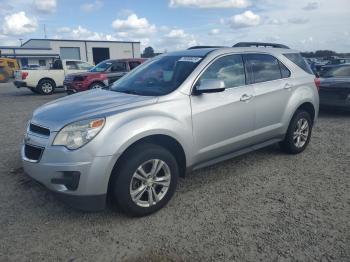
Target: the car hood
pixel 90 104
pixel 87 73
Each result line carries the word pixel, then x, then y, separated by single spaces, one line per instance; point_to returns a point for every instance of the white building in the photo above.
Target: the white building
pixel 43 51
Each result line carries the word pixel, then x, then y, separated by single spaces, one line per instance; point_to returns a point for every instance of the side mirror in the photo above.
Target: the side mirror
pixel 209 86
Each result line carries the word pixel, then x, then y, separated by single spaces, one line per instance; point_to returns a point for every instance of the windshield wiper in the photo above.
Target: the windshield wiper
pixel 130 92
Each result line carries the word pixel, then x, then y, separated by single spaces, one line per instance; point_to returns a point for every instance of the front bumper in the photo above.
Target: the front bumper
pixel 57 165
pixel 19 84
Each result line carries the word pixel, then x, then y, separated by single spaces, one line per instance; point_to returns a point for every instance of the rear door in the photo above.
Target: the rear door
pixel 223 122
pixel 270 80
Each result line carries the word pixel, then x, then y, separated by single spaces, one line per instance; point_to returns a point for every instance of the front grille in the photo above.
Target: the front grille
pixel 33 152
pixel 39 130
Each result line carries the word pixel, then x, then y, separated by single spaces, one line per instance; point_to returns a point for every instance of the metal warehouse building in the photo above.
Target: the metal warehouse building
pixel 43 51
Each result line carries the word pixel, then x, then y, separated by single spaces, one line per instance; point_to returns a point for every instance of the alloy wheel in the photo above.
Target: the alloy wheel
pixel 301 133
pixel 150 183
pixel 47 87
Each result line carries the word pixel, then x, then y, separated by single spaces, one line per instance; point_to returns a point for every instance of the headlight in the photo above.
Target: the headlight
pixel 76 135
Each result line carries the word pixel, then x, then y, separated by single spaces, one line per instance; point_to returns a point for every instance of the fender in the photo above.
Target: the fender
pixel 301 95
pixel 131 127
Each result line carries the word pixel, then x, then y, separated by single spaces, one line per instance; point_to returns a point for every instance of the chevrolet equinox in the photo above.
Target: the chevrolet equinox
pixel 175 113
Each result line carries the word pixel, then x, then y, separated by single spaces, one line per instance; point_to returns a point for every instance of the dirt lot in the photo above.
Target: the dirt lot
pixel 264 205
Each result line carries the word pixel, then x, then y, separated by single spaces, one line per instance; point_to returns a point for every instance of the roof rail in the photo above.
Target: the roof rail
pixel 257 44
pixel 204 46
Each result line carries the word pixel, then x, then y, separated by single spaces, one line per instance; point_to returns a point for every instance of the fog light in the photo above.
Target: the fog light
pixel 70 180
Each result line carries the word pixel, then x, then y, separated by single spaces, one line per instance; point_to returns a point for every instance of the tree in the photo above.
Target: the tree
pixel 148 52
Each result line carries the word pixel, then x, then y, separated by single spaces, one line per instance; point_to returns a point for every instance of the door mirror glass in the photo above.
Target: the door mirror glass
pixel 210 86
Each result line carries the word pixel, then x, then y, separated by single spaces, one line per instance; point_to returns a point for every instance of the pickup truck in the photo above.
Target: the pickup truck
pixel 45 81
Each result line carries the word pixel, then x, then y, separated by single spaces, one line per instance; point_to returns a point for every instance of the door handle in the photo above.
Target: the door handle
pixel 288 86
pixel 245 97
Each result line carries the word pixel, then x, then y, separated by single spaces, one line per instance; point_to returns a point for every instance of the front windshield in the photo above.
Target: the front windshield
pixel 157 77
pixel 101 67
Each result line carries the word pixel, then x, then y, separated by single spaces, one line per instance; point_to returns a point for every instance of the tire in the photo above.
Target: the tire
pixel 96 85
pixel 298 134
pixel 144 157
pixel 46 87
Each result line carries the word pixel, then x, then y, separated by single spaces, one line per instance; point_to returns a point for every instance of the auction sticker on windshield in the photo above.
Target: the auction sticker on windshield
pixel 192 59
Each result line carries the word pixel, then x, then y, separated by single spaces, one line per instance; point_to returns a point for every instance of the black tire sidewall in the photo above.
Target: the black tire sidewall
pixel 130 162
pixel 42 82
pixel 288 143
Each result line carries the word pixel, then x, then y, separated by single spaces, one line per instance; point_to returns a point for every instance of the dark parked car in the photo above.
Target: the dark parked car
pixel 335 86
pixel 103 74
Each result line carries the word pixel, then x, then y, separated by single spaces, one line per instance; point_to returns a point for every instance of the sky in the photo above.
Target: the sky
pixel 168 25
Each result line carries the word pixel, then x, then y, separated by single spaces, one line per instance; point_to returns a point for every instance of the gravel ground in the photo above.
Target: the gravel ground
pixel 265 205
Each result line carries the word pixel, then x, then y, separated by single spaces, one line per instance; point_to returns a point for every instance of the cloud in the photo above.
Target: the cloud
pixel 214 31
pixel 89 7
pixel 6 8
pixel 64 30
pixel 82 34
pixel 19 24
pixel 311 6
pixel 45 6
pixel 133 27
pixel 210 3
pixel 246 19
pixel 298 21
pixel 177 39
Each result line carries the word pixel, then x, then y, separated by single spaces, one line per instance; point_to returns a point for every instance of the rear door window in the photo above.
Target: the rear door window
pixel 297 59
pixel 262 68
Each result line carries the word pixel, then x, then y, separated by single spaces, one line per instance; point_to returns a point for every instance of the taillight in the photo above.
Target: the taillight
pixel 317 83
pixel 24 75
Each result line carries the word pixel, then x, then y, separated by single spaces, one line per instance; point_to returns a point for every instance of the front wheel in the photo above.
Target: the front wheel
pixel 96 85
pixel 298 133
pixel 146 180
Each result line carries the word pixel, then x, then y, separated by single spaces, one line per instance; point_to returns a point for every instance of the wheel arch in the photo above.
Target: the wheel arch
pixel 166 141
pixel 308 107
pixel 47 78
pixel 96 82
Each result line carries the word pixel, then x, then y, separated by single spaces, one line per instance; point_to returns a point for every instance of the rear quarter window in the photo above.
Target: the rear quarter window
pixel 297 59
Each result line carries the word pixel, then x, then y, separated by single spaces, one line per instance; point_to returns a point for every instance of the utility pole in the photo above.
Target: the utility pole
pixel 45 36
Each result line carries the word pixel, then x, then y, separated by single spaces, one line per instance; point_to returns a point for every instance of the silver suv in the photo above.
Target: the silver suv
pixel 175 113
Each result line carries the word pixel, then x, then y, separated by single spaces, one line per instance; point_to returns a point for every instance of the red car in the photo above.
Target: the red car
pixel 103 74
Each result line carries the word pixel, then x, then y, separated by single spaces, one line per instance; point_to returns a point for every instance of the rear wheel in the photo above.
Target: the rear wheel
pixel 46 87
pixel 298 134
pixel 146 180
